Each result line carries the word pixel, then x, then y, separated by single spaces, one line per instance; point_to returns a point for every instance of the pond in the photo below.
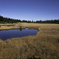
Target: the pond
pixel 8 34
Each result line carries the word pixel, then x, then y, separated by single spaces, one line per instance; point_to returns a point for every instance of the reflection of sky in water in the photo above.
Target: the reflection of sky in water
pixel 5 34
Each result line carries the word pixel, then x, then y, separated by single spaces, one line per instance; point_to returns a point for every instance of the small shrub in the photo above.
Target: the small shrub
pixel 20 27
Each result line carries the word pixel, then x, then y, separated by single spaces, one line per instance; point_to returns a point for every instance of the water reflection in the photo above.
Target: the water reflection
pixel 20 29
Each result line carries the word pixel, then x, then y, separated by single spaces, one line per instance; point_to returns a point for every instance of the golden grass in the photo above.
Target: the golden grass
pixel 44 45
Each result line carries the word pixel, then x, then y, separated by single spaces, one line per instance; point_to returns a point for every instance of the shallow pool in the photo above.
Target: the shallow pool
pixel 8 34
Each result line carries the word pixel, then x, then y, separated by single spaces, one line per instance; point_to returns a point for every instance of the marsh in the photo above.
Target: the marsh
pixel 44 44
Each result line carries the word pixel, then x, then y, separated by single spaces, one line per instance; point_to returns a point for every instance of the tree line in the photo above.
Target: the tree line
pixel 9 20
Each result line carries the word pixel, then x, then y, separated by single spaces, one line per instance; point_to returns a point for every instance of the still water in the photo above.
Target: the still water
pixel 8 34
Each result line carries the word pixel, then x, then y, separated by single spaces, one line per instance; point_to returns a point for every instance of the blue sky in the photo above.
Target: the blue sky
pixel 30 9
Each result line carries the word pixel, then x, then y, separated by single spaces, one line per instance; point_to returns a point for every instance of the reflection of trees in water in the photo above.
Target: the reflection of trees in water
pixel 20 29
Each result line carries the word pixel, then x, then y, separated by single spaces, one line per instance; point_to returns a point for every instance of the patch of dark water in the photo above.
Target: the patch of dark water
pixel 8 34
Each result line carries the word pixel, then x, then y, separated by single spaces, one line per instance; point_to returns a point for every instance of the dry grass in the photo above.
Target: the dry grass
pixel 45 45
